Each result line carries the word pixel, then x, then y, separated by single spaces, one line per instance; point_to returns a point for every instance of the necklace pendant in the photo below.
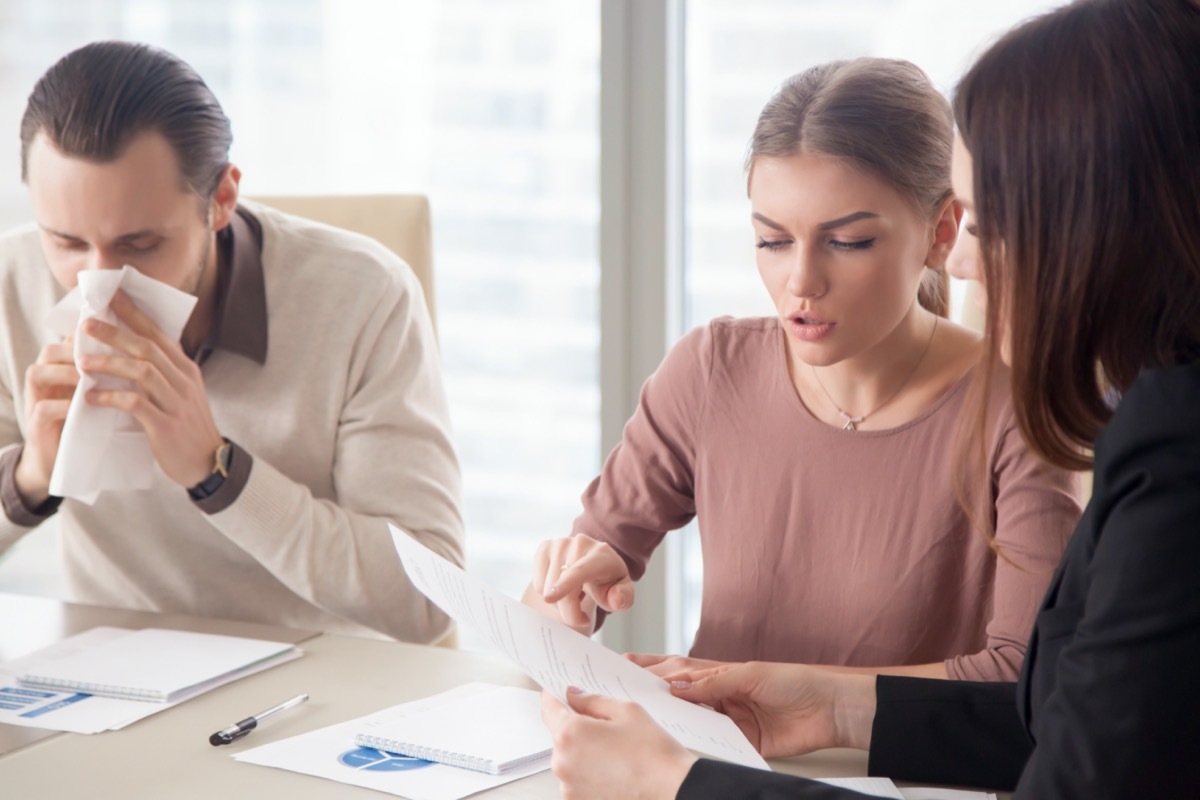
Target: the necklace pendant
pixel 850 421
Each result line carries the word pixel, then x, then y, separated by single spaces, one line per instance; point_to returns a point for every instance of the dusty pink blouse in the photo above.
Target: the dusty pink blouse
pixel 826 546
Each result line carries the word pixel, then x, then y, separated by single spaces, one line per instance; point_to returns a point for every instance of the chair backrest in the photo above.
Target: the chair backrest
pixel 400 222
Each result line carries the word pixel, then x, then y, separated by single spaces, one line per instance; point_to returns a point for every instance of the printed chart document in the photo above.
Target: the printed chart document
pixel 494 731
pixel 77 711
pixel 331 753
pixel 557 657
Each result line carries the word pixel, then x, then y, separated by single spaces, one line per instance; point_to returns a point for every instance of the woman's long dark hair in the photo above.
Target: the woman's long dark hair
pixel 1084 128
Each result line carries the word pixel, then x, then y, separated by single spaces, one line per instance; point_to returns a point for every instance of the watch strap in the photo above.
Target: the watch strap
pixel 221 461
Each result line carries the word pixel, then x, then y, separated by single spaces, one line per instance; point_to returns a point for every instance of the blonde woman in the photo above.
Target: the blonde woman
pixel 816 447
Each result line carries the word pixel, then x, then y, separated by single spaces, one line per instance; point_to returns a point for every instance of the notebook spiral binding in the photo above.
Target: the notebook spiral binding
pixel 440 756
pixel 107 689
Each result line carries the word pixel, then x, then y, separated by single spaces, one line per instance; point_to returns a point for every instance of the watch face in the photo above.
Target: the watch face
pixel 225 454
pixel 220 471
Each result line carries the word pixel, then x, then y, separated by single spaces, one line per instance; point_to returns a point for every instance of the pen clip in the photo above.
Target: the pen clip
pixel 233 732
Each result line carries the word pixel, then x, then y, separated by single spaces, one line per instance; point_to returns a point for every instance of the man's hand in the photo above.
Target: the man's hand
pixel 166 395
pixel 607 748
pixel 787 709
pixel 572 576
pixel 49 386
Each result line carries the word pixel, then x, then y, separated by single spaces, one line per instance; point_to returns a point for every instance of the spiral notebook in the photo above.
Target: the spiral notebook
pixel 494 731
pixel 158 665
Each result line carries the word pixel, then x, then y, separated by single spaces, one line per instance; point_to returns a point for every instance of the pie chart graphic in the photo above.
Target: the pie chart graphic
pixel 372 760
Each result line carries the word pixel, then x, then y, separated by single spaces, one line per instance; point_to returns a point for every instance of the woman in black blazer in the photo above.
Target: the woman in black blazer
pixel 1079 168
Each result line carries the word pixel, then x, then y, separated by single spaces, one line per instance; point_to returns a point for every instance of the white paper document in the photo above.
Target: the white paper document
pixel 331 753
pixel 157 665
pixel 76 711
pixel 557 657
pixel 105 448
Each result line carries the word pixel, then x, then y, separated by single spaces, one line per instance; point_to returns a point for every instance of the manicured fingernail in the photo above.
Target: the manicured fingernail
pixel 681 684
pixel 575 690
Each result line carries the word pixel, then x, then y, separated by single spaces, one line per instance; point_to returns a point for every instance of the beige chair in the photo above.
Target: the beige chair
pixel 400 222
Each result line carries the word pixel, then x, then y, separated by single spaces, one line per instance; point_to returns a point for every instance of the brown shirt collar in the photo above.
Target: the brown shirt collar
pixel 240 319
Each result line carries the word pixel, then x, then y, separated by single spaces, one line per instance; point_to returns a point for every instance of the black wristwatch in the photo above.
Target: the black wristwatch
pixel 209 486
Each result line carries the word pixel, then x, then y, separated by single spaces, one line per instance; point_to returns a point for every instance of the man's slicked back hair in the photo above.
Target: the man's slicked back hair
pixel 95 100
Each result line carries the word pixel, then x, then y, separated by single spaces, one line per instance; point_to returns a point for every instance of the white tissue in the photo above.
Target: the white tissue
pixel 104 449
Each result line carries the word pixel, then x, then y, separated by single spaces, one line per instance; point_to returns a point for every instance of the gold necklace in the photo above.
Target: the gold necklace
pixel 852 421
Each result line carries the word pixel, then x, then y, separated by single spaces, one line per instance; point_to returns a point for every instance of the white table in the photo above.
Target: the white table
pixel 168 755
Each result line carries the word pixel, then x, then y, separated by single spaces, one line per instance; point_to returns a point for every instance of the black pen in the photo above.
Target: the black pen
pixel 239 729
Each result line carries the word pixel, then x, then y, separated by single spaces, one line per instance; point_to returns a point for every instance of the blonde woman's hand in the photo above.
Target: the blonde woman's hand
pixel 574 576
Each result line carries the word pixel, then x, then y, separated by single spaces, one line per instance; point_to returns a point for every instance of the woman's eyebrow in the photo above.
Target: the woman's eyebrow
pixel 770 223
pixel 846 220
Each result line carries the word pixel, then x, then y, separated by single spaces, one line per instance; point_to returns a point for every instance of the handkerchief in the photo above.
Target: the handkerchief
pixel 103 449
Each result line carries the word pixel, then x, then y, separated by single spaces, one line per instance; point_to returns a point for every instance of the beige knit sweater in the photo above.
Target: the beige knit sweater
pixel 345 422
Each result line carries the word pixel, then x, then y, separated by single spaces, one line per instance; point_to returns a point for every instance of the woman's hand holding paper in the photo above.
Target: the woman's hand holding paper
pixel 604 747
pixel 608 748
pixel 787 709
pixel 166 394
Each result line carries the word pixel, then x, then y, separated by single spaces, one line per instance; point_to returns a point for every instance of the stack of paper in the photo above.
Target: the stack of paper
pixel 156 665
pixel 108 678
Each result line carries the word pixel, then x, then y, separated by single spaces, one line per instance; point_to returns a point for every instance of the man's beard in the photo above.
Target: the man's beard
pixel 197 277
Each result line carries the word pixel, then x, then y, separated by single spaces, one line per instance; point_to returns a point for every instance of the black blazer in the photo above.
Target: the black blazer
pixel 1107 704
